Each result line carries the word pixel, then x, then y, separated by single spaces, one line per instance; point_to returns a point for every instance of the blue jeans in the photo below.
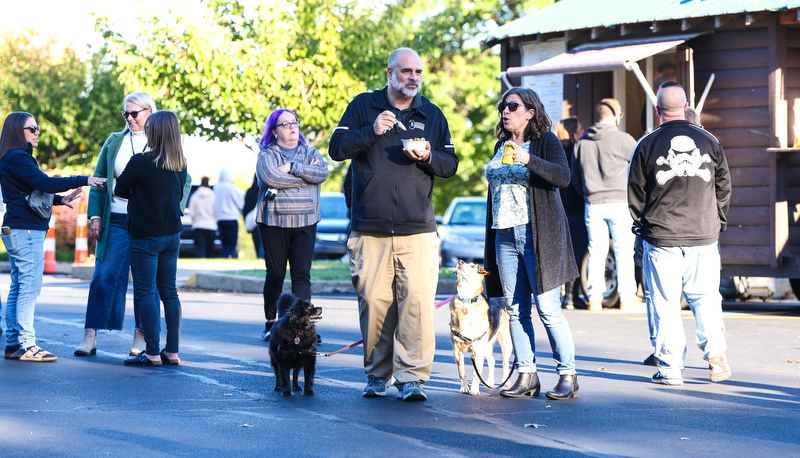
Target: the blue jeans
pixel 26 252
pixel 516 263
pixel 600 220
pixel 154 264
pixel 105 308
pixel 695 271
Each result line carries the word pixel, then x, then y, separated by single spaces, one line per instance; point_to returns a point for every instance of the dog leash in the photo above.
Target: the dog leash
pixel 475 366
pixel 355 344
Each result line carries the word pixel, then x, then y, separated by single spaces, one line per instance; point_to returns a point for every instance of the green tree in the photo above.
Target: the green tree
pixel 75 102
pixel 223 78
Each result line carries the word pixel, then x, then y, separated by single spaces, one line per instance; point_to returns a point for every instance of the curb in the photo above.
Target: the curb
pixel 252 285
pixel 213 281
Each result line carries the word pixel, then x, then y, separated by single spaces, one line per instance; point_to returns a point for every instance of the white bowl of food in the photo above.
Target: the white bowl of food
pixel 414 144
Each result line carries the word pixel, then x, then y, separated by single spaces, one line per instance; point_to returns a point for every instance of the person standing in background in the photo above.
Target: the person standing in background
pixel 250 203
pixel 229 203
pixel 599 173
pixel 204 223
pixel 569 130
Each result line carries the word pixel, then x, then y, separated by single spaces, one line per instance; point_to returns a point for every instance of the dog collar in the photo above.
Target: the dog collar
pixel 298 333
pixel 468 302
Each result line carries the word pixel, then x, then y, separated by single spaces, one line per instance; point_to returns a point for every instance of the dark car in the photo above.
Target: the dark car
pixel 333 227
pixel 462 231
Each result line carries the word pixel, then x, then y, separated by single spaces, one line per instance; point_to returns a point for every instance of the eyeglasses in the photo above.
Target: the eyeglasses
pixel 512 106
pixel 33 129
pixel 133 114
pixel 289 125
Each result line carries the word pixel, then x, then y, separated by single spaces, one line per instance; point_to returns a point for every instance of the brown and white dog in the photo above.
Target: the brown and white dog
pixel 475 325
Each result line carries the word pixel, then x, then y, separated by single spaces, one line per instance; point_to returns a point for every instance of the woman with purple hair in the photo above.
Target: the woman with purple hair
pixel 289 174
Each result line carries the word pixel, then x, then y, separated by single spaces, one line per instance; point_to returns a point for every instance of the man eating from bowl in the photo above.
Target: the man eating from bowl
pixel 394 256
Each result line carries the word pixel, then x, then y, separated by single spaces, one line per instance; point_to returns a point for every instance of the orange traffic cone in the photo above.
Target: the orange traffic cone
pixel 81 243
pixel 50 248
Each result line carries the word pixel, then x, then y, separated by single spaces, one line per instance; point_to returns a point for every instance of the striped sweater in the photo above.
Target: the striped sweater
pixel 297 193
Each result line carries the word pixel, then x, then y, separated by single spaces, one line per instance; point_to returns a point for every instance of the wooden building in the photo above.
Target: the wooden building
pixel 752 105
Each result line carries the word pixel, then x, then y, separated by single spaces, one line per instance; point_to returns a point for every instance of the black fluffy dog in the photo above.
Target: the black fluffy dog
pixel 293 344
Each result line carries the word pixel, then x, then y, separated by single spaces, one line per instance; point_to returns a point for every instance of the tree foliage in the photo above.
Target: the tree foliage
pixel 224 77
pixel 76 103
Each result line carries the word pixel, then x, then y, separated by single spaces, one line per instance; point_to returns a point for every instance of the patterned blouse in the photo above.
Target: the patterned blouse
pixel 510 186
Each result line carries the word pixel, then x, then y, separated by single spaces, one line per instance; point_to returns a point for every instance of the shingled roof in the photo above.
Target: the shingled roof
pixel 594 15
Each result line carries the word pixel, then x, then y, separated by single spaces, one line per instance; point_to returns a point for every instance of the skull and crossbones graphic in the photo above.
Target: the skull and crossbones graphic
pixel 684 160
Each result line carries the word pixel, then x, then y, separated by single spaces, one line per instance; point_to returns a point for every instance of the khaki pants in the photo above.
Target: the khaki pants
pixel 395 277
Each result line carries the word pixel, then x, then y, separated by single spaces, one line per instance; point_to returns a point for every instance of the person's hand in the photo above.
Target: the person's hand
pixel 384 122
pixel 67 200
pixel 419 155
pixel 285 167
pixel 519 154
pixel 96 228
pixel 97 181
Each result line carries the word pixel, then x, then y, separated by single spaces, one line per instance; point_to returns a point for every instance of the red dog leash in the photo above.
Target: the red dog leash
pixel 355 344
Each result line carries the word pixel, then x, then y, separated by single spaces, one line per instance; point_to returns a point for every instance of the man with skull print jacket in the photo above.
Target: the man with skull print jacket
pixel 679 192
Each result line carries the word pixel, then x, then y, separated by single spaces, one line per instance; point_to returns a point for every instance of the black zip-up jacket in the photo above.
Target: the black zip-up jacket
pixel 679 186
pixel 391 192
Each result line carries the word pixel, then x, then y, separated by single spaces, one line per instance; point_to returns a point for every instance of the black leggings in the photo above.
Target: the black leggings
pixel 295 245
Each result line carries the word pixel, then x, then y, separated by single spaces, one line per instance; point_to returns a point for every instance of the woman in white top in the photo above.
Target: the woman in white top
pixel 105 308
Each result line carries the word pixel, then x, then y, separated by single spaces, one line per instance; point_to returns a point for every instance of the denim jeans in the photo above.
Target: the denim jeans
pixel 516 262
pixel 694 270
pixel 600 220
pixel 26 252
pixel 105 308
pixel 154 264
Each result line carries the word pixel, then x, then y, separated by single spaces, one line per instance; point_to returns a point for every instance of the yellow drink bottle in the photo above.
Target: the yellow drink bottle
pixel 508 158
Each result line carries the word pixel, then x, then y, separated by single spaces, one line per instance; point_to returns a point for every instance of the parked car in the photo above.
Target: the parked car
pixel 333 226
pixel 187 248
pixel 462 231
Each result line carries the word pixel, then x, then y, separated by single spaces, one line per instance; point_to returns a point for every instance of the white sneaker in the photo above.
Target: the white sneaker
pixel 719 368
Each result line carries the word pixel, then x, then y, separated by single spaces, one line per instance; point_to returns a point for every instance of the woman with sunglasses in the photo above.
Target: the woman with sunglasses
pixel 154 183
pixel 24 232
pixel 289 173
pixel 105 307
pixel 527 237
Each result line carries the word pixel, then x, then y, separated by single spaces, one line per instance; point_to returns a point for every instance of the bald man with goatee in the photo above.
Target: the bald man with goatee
pixel 679 192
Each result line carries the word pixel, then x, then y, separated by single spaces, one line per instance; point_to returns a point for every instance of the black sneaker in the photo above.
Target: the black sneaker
pixel 661 379
pixel 651 360
pixel 412 391
pixel 376 387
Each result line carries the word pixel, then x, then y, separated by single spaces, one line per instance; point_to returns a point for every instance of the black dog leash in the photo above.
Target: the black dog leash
pixel 475 366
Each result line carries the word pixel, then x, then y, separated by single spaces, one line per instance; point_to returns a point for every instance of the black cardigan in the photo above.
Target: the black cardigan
pixel 154 196
pixel 555 261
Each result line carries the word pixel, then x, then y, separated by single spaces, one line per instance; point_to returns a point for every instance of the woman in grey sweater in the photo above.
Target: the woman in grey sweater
pixel 289 175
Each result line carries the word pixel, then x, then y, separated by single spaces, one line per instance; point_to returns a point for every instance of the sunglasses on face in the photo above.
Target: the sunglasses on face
pixel 512 106
pixel 33 129
pixel 289 124
pixel 133 114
